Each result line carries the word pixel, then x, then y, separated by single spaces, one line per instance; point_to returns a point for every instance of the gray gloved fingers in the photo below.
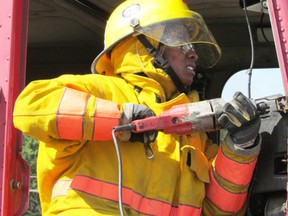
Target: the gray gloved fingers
pixel 245 104
pixel 246 133
pixel 239 111
pixel 133 112
pixel 232 116
pixel 226 122
pixel 141 111
pixel 126 118
pixel 241 119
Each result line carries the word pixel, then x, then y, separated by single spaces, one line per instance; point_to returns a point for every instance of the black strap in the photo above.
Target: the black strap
pixel 161 62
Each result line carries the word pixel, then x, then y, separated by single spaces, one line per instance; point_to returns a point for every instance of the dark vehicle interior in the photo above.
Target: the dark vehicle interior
pixel 66 35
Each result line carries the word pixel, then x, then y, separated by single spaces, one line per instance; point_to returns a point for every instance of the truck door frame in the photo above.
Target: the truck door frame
pixel 14 171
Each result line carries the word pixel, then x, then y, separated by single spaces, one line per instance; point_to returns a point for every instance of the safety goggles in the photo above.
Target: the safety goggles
pixel 185 48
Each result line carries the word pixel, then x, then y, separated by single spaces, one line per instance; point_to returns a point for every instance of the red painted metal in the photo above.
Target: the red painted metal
pixel 278 11
pixel 14 171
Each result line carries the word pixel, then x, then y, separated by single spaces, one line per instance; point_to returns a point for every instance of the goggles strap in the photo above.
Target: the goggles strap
pixel 161 62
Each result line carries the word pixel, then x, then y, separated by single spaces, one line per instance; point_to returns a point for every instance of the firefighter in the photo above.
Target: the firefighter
pixel 147 66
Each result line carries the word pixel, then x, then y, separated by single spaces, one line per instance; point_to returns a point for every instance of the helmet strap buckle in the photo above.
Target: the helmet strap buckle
pixel 161 62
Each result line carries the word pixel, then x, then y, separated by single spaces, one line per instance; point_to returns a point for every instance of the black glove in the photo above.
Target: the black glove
pixel 133 112
pixel 241 119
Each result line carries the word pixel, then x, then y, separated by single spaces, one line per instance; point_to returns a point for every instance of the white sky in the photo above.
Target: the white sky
pixel 265 82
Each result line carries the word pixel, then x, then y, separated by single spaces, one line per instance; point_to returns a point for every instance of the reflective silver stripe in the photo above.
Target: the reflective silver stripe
pixel 60 188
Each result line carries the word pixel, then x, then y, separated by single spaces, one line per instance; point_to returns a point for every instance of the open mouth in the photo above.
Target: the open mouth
pixel 190 69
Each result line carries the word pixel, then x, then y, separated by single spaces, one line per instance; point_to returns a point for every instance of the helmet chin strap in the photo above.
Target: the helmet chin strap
pixel 162 63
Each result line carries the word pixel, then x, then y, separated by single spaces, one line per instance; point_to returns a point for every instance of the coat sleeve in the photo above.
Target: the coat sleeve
pixel 230 176
pixel 65 108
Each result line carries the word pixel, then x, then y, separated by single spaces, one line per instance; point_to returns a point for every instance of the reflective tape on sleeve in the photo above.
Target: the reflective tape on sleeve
pixel 223 199
pixel 184 210
pixel 233 171
pixel 70 114
pixel 107 115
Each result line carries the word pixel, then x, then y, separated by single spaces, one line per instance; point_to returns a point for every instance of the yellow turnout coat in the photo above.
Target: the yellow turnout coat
pixel 72 117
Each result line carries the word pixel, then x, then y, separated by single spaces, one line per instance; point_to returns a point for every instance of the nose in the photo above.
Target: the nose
pixel 191 54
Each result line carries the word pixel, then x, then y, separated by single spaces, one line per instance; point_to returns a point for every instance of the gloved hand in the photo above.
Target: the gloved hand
pixel 133 112
pixel 241 119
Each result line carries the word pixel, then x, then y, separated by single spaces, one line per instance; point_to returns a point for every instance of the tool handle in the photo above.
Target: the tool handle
pixel 156 123
pixel 179 129
pixel 172 118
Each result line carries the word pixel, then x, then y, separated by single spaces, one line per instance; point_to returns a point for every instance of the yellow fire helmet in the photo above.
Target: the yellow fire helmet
pixel 169 22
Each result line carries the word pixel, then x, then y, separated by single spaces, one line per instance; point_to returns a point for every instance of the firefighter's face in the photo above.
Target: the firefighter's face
pixel 183 62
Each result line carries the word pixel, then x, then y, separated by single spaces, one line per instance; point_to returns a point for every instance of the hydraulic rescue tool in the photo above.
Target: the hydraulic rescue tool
pixel 182 119
pixel 199 116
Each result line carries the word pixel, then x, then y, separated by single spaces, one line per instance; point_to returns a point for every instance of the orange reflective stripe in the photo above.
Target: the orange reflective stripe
pixel 233 171
pixel 183 210
pixel 136 201
pixel 107 115
pixel 70 114
pixel 60 188
pixel 223 199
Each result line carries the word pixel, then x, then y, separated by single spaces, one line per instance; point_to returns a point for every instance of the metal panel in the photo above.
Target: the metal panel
pixel 14 172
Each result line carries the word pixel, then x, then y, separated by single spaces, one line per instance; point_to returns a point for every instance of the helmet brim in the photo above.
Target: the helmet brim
pixel 171 31
pixel 102 63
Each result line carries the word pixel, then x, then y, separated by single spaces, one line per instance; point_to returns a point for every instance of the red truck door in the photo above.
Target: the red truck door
pixel 14 172
pixel 278 12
